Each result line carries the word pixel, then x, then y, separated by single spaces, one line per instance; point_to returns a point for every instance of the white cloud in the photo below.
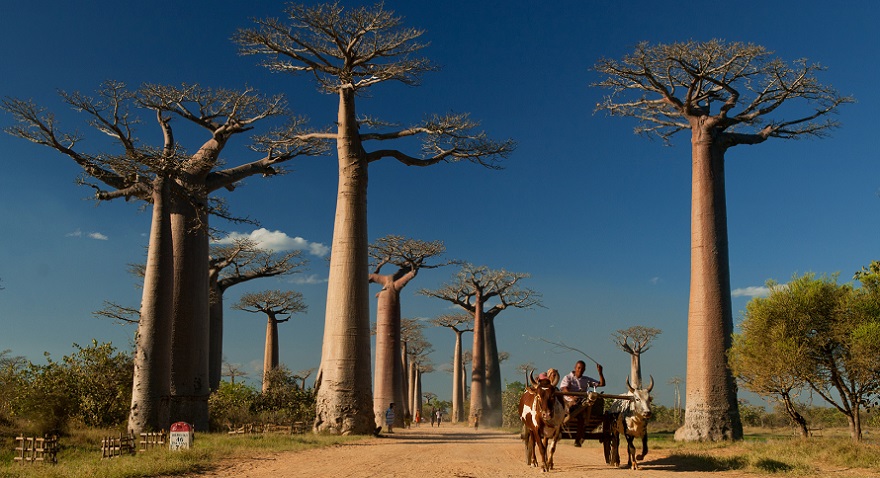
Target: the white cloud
pixel 654 280
pixel 751 291
pixel 309 279
pixel 91 235
pixel 278 241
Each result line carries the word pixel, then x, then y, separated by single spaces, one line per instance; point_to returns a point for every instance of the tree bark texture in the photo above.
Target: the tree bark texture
pixel 344 398
pixel 388 383
pixel 478 364
pixel 493 413
pixel 635 370
pixel 405 395
pixel 215 347
pixel 457 385
pixel 190 324
pixel 270 354
pixel 711 412
pixel 152 366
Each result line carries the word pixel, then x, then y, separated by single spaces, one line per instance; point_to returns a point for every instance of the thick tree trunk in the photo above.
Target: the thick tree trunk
pixel 270 354
pixel 190 324
pixel 405 394
pixel 344 398
pixel 635 370
pixel 152 365
pixel 388 383
pixel 215 347
pixel 457 385
pixel 711 412
pixel 493 414
pixel 478 364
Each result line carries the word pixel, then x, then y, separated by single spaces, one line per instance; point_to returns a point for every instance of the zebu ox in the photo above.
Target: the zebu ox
pixel 542 412
pixel 630 417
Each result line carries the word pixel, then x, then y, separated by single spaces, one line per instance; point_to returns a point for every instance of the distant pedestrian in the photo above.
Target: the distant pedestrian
pixel 418 418
pixel 389 418
pixel 477 419
pixel 439 418
pixel 433 416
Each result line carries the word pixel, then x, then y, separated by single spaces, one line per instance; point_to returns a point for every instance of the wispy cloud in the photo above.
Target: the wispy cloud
pixel 751 291
pixel 654 280
pixel 309 279
pixel 91 235
pixel 278 241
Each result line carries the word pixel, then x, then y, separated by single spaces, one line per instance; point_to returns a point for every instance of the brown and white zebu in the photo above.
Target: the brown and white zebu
pixel 542 412
pixel 630 417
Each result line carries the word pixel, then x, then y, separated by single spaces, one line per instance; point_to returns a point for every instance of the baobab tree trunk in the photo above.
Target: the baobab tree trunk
pixel 215 347
pixel 492 415
pixel 635 370
pixel 152 365
pixel 190 324
pixel 457 385
pixel 344 398
pixel 478 362
pixel 712 412
pixel 404 393
pixel 270 354
pixel 388 376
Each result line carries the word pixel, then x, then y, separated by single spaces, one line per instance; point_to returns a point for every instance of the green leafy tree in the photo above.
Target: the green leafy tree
pixel 816 332
pixel 99 376
pixel 725 95
pixel 230 405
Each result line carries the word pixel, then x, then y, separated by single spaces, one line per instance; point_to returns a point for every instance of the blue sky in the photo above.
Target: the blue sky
pixel 598 216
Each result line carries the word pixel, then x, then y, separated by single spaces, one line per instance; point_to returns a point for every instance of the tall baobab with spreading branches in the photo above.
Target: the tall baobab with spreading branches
pixel 472 289
pixel 635 341
pixel 458 323
pixel 725 94
pixel 407 257
pixel 233 264
pixel 272 303
pixel 348 51
pixel 173 320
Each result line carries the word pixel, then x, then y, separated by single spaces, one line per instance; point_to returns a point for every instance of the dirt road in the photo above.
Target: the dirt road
pixel 455 452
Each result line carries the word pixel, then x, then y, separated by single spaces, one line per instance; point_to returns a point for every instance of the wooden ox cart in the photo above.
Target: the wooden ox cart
pixel 597 425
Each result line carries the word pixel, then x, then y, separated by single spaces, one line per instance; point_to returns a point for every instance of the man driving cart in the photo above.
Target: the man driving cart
pixel 577 405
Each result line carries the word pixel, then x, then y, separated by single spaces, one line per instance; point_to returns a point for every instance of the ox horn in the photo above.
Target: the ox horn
pixel 652 384
pixel 532 378
pixel 628 386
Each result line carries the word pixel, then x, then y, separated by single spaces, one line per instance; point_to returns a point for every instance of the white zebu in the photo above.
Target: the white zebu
pixel 630 417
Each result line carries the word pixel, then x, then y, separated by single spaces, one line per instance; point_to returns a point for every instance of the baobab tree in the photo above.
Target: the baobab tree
pixel 173 318
pixel 635 341
pixel 348 51
pixel 458 323
pixel 472 289
pixel 726 94
pixel 273 303
pixel 233 264
pixel 408 256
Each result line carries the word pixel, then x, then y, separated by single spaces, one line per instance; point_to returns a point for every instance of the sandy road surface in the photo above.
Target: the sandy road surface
pixel 456 452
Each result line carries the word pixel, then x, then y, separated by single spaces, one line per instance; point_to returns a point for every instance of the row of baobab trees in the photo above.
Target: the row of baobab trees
pixel 725 94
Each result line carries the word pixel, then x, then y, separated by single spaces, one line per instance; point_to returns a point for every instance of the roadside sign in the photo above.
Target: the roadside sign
pixel 180 436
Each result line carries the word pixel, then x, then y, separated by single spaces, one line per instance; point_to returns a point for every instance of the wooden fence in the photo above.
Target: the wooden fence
pixel 153 440
pixel 31 449
pixel 249 428
pixel 112 447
